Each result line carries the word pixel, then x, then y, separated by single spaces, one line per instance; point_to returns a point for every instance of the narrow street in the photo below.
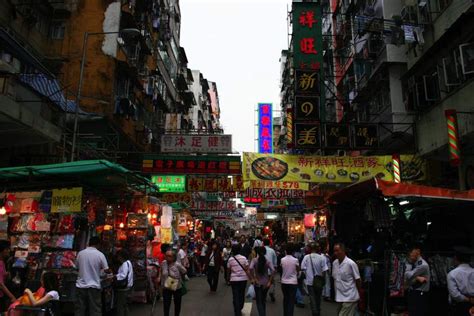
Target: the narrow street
pixel 199 302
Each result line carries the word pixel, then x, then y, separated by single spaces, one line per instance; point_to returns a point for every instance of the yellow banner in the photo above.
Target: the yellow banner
pixel 66 200
pixel 166 236
pixel 284 185
pixel 328 169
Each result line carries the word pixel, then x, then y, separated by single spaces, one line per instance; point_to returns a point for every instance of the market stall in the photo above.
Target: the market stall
pixel 49 212
pixel 380 220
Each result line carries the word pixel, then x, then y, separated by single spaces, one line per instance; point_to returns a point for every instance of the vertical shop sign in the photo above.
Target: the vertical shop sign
pixel 307 35
pixel 307 108
pixel 307 135
pixel 66 200
pixel 366 136
pixel 265 128
pixel 453 138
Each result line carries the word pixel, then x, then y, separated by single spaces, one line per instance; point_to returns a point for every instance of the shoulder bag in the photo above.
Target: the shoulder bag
pixel 123 284
pixel 318 281
pixel 170 282
pixel 245 270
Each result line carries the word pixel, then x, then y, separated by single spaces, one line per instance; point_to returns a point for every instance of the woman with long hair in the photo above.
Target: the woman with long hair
pixel 262 272
pixel 239 275
pixel 46 293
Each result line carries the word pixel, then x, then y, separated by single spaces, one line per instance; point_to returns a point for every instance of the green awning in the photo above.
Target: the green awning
pixel 87 173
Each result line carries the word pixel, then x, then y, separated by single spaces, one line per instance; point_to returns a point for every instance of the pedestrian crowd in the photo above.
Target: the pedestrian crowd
pixel 251 268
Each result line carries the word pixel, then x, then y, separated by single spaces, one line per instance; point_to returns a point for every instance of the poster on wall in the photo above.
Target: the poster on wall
pixel 66 200
pixel 329 169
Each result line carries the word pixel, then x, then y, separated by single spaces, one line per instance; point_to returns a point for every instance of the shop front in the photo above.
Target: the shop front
pixel 379 221
pixel 49 213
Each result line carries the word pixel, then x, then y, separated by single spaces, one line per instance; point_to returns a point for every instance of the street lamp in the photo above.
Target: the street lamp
pixel 129 31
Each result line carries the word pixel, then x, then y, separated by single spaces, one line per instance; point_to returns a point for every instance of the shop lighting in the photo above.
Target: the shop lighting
pixel 154 216
pixel 149 216
pixel 428 223
pixel 236 231
pixel 3 210
pixel 404 202
pixel 122 225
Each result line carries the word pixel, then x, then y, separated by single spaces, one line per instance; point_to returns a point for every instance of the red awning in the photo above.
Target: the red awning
pixel 390 189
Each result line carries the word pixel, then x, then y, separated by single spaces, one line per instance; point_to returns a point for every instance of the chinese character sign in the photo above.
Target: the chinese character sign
pixel 307 135
pixel 171 143
pixel 327 169
pixel 265 128
pixel 66 200
pixel 366 136
pixel 307 35
pixel 307 108
pixel 337 136
pixel 170 183
pixel 229 165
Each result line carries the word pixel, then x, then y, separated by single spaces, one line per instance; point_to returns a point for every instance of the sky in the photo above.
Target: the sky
pixel 237 44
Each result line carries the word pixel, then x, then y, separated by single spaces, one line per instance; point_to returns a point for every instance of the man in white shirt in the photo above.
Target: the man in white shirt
pixel 290 267
pixel 125 272
pixel 90 262
pixel 461 283
pixel 346 281
pixel 314 265
pixel 271 256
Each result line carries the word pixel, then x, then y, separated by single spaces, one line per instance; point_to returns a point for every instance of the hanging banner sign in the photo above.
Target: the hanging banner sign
pixel 66 200
pixel 273 194
pixel 216 144
pixel 329 169
pixel 169 198
pixel 285 185
pixel 213 206
pixel 218 184
pixel 229 165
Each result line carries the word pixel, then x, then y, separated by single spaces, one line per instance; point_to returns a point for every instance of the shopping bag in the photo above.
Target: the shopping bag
pixel 251 292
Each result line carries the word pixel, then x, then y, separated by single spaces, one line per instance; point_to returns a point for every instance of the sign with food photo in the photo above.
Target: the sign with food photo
pixel 328 169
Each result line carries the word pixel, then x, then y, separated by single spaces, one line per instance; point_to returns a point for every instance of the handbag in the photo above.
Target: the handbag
pixel 123 284
pixel 318 281
pixel 170 282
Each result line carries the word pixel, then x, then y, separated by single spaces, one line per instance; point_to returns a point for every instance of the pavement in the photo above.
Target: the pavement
pixel 200 302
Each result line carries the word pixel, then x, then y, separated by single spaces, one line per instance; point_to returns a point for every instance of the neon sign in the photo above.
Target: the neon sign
pixel 265 128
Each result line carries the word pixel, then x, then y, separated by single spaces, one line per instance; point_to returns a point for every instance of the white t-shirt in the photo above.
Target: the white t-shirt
pixel 204 251
pixel 318 266
pixel 90 263
pixel 289 265
pixel 345 275
pixel 125 268
pixel 54 295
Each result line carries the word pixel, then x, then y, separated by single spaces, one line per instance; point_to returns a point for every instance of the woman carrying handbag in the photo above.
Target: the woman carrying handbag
pixel 239 275
pixel 171 283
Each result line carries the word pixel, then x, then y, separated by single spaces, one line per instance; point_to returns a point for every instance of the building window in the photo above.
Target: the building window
pixel 57 30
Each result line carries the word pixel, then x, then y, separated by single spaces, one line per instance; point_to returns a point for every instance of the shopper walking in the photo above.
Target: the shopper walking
pixel 239 275
pixel 417 278
pixel 213 266
pixel 246 250
pixel 6 297
pixel 171 277
pixel 262 271
pixel 202 257
pixel 271 256
pixel 226 253
pixel 289 280
pixel 346 281
pixel 124 283
pixel 461 283
pixel 90 262
pixel 315 268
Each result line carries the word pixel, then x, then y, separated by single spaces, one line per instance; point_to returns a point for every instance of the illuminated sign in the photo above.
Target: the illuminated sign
pixel 183 165
pixel 170 183
pixel 265 128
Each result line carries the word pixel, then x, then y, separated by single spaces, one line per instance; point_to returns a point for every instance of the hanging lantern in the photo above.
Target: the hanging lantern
pixel 453 138
pixel 396 168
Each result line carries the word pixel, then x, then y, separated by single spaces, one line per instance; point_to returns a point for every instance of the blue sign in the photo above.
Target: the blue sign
pixel 265 128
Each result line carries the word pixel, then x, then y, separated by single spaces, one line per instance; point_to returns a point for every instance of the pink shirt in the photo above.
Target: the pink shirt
pixel 289 265
pixel 3 275
pixel 236 271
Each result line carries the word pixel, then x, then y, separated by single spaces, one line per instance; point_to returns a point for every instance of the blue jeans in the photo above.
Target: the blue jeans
pixel 289 298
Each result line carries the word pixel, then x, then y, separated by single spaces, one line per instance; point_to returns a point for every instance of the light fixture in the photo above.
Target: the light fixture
pixel 3 210
pixel 122 225
pixel 428 223
pixel 149 216
pixel 404 202
pixel 154 216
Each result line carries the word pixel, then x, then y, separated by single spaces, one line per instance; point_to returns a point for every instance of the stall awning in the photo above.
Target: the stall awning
pixel 398 190
pixel 88 173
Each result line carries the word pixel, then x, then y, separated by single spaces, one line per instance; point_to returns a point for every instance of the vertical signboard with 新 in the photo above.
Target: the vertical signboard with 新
pixel 265 128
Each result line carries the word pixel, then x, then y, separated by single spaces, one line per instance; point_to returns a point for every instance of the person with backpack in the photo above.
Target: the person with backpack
pixel 259 269
pixel 239 275
pixel 315 268
pixel 123 283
